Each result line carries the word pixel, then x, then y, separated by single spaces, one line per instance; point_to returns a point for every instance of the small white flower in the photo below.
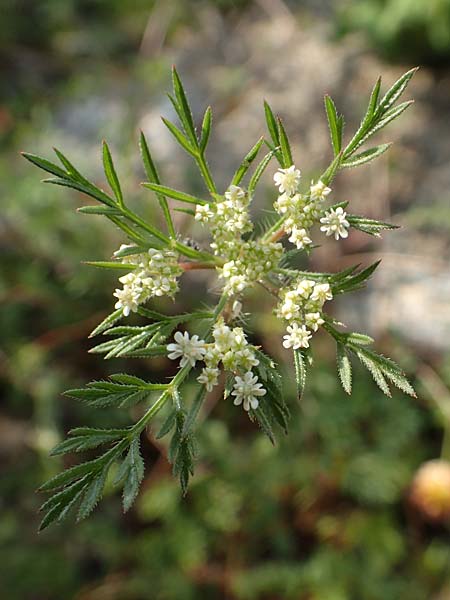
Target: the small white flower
pixel 246 390
pixel 223 336
pixel 245 358
pixel 208 377
pixel 127 300
pixel 234 194
pixel 319 191
pixel 190 349
pixel 289 309
pixel 314 320
pixel 287 180
pixel 305 287
pixel 300 238
pixel 335 223
pixel 203 213
pixel 321 293
pixel 297 337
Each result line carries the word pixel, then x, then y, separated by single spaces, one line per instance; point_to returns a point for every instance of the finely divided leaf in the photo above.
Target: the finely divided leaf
pixel 344 367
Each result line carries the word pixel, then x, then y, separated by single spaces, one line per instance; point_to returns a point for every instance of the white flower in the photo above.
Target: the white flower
pixel 127 300
pixel 321 293
pixel 287 180
pixel 335 223
pixel 305 287
pixel 286 203
pixel 203 213
pixel 319 191
pixel 190 349
pixel 223 336
pixel 234 194
pixel 289 309
pixel 300 238
pixel 208 377
pixel 314 320
pixel 246 390
pixel 297 337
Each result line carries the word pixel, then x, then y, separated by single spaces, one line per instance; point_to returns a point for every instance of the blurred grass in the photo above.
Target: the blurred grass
pixel 322 516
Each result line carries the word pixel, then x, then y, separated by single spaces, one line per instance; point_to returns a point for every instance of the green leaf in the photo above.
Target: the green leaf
pixel 374 370
pixel 180 137
pixel 354 282
pixel 285 145
pixel 271 124
pixel 134 475
pixel 71 474
pixel 360 339
pixel 45 165
pixel 335 125
pixel 80 443
pixel 182 452
pixel 58 506
pixel 388 368
pixel 111 174
pixel 184 110
pixel 301 363
pixel 107 323
pixel 128 379
pixel 103 264
pixel 100 210
pixel 175 194
pixel 153 177
pixel 92 494
pixel 91 190
pixel 246 162
pixel 344 367
pixel 206 129
pixel 366 156
pixel 370 226
pixel 394 93
pixel 258 172
pixel 71 171
pixel 389 116
pixel 366 121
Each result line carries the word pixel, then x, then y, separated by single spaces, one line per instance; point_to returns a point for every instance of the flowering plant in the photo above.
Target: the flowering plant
pixel 154 261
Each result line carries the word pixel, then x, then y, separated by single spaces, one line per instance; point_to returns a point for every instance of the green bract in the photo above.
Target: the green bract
pixel 152 261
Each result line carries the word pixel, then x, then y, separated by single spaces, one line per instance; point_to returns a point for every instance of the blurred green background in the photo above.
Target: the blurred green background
pixel 329 513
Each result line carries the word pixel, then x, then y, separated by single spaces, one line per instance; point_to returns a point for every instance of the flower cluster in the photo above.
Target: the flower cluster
pixel 231 348
pixel 228 219
pixel 155 275
pixel 301 211
pixel 250 262
pixel 301 305
pixel 246 261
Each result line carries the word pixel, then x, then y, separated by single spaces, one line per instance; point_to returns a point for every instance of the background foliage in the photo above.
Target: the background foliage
pixel 325 514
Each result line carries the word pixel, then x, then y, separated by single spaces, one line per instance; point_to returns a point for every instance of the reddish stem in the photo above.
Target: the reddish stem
pixel 190 266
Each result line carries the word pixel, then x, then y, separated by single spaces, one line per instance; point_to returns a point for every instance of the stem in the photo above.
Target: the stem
pixel 190 266
pixel 206 173
pixel 176 381
pixel 144 225
pixel 275 229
